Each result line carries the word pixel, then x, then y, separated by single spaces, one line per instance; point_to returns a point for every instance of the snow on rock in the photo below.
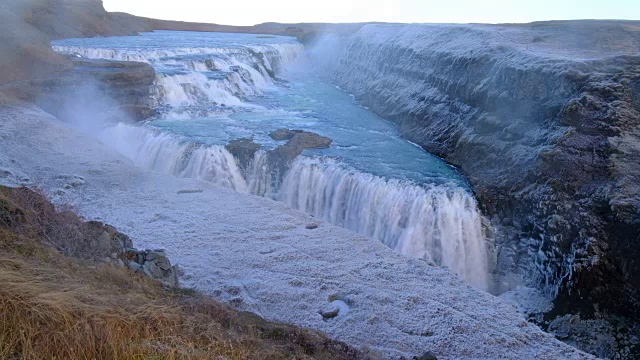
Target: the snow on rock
pixel 258 255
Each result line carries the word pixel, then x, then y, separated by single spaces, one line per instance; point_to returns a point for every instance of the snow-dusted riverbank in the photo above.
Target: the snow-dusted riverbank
pixel 259 255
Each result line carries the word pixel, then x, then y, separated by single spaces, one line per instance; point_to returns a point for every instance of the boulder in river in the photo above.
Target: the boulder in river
pixel 283 134
pixel 280 158
pixel 243 150
pixel 298 141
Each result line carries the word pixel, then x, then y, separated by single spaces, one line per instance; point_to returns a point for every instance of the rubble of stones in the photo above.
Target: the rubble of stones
pixel 151 263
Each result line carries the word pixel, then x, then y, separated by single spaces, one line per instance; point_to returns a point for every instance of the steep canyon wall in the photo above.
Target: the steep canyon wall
pixel 543 118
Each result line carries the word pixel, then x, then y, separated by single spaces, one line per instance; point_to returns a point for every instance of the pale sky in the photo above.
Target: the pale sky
pixel 250 12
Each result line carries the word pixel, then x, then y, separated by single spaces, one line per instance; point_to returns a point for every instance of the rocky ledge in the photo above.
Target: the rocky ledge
pixel 127 86
pixel 31 71
pixel 280 158
pixel 120 252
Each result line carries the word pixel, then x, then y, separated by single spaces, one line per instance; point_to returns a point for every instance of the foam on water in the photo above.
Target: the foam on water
pixel 193 88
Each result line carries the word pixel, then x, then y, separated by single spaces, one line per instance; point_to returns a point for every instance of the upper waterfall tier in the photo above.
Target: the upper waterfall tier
pixel 198 72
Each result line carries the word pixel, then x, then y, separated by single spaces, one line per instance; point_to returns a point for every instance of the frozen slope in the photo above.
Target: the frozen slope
pixel 258 255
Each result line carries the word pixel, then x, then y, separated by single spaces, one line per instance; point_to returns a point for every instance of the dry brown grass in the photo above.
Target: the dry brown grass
pixel 57 307
pixel 30 214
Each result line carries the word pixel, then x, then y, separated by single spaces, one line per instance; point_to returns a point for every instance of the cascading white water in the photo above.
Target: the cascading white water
pixel 278 54
pixel 203 75
pixel 439 223
pixel 168 154
pixel 193 88
pixel 259 175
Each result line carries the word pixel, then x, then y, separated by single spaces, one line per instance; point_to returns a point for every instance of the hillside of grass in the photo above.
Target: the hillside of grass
pixel 57 306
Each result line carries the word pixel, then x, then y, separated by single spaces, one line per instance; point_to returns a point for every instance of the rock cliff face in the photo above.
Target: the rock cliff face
pixel 543 118
pixel 30 70
pixel 27 26
pixel 79 18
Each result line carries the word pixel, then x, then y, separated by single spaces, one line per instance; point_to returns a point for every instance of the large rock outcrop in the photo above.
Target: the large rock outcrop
pixel 27 214
pixel 128 84
pixel 31 71
pixel 276 161
pixel 543 118
pixel 27 26
pixel 118 87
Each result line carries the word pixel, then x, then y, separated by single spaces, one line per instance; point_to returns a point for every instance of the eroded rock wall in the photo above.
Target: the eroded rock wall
pixel 543 118
pixel 27 27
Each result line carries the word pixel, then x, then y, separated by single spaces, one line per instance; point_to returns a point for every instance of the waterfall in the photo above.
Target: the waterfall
pixel 193 88
pixel 168 154
pixel 203 75
pixel 441 224
pixel 259 175
pixel 438 223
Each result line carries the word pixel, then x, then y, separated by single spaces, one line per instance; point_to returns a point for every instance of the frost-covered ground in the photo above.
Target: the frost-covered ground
pixel 259 255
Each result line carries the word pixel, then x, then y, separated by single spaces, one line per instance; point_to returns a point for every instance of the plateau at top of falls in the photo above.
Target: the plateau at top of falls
pixel 569 40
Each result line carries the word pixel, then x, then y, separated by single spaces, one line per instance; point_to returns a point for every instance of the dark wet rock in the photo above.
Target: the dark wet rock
pixel 284 134
pixel 262 63
pixel 281 157
pixel 611 339
pixel 308 140
pixel 300 141
pixel 243 150
pixel 426 356
pixel 211 65
pixel 329 312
